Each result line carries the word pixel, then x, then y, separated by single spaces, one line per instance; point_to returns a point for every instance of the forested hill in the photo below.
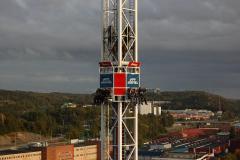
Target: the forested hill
pixel 33 100
pixel 196 100
pixel 42 112
pixel 179 100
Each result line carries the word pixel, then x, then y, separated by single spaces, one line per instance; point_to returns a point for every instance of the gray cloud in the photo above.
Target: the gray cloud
pixel 54 45
pixel 187 24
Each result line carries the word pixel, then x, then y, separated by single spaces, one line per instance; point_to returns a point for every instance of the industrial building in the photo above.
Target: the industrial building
pixel 188 144
pixel 152 107
pixel 191 114
pixel 184 156
pixel 20 155
pixel 91 152
pixel 54 152
pixel 58 152
pixel 157 155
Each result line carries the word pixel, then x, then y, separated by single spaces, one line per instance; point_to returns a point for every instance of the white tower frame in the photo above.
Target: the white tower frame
pixel 120 16
pixel 119 127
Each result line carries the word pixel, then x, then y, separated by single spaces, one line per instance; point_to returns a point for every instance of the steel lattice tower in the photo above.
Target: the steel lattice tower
pixel 119 74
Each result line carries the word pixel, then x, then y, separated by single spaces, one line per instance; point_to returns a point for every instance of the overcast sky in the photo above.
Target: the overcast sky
pixel 54 45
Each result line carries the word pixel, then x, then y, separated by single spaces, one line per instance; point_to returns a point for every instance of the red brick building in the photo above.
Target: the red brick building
pixel 63 152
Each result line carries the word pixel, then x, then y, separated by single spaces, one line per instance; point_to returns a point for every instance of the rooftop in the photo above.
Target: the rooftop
pixel 18 151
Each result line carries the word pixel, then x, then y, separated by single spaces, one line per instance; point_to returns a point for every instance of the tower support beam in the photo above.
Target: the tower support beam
pixel 120 75
pixel 103 132
pixel 136 132
pixel 119 24
pixel 120 131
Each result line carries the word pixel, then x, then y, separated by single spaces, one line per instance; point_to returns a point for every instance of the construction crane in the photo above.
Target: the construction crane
pixel 119 93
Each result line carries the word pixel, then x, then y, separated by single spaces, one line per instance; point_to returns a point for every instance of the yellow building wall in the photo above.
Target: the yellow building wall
pixel 22 156
pixel 86 153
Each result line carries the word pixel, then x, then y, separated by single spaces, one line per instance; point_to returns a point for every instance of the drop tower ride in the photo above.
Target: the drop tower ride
pixel 119 92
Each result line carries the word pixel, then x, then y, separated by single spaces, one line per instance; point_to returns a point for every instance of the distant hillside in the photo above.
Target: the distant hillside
pixel 196 100
pixel 41 113
pixel 25 101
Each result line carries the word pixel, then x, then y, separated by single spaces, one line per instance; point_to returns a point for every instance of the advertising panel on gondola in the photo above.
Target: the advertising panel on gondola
pixel 106 81
pixel 133 81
